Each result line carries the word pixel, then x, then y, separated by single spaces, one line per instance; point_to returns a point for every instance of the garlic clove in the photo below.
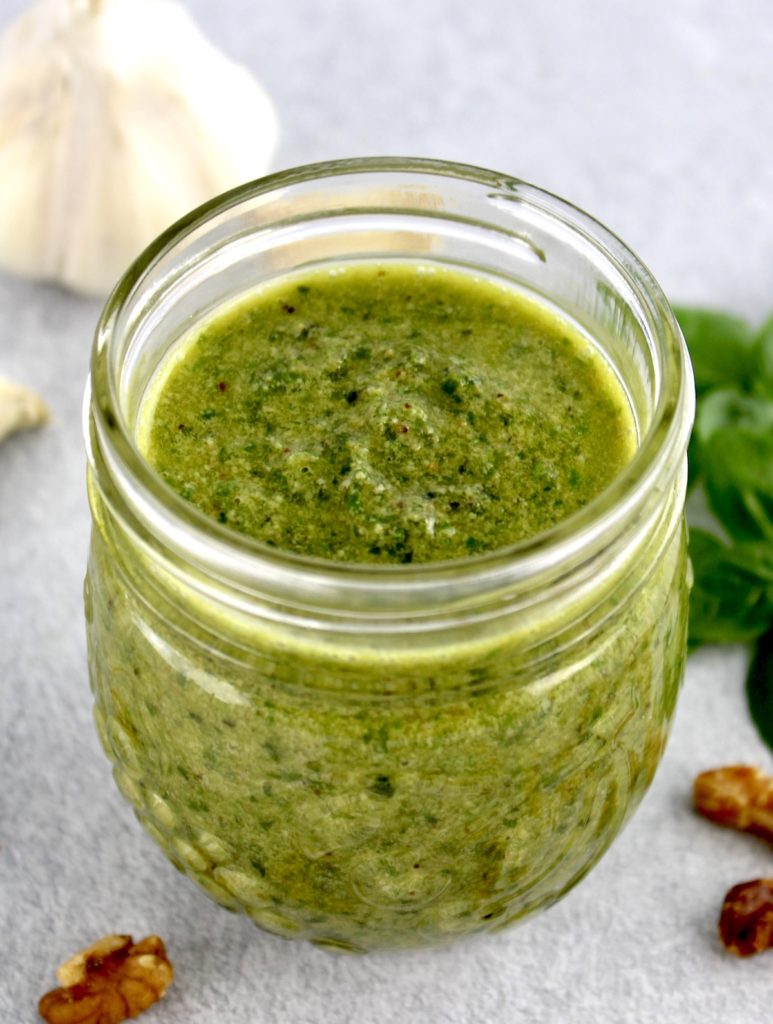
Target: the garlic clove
pixel 116 117
pixel 20 408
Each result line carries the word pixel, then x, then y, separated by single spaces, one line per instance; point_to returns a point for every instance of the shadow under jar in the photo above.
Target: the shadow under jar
pixel 386 756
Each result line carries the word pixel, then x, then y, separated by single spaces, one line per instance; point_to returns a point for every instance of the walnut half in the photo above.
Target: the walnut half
pixel 746 921
pixel 109 982
pixel 738 796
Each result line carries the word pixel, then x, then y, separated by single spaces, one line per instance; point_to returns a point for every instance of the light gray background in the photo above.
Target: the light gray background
pixel 658 118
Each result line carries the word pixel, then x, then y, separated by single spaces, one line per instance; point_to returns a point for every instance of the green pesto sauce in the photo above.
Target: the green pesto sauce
pixel 380 793
pixel 391 413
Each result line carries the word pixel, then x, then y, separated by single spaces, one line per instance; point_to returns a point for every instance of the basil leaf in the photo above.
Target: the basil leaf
pixel 732 596
pixel 731 453
pixel 738 474
pixel 763 345
pixel 759 688
pixel 734 437
pixel 725 409
pixel 693 461
pixel 721 347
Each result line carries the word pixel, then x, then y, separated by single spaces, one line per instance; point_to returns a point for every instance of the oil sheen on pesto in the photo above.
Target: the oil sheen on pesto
pixel 390 413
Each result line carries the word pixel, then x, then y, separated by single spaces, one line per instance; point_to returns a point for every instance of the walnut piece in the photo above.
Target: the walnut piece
pixel 738 796
pixel 109 982
pixel 746 921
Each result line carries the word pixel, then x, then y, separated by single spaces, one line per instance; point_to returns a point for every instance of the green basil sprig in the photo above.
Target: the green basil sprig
pixel 759 687
pixel 731 458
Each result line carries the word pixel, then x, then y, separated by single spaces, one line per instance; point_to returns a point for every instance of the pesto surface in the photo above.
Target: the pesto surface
pixel 389 413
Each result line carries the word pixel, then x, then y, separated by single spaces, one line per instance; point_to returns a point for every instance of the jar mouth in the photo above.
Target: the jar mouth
pixel 167 522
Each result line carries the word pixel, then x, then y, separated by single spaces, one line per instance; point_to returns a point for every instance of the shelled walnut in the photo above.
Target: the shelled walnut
pixel 109 982
pixel 739 796
pixel 746 921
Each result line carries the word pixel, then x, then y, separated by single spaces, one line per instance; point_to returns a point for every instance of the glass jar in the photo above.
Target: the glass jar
pixel 386 756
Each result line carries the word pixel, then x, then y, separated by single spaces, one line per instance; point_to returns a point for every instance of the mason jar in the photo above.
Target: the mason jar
pixel 385 756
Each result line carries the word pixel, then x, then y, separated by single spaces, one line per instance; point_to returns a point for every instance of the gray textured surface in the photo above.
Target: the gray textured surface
pixel 656 117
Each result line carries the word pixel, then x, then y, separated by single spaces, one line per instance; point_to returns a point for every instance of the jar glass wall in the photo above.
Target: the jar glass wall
pixel 386 756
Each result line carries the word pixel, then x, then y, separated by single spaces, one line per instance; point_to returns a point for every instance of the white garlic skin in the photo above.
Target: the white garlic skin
pixel 20 408
pixel 116 117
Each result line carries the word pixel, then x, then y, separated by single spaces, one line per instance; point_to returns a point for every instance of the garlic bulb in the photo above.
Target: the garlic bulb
pixel 116 117
pixel 19 408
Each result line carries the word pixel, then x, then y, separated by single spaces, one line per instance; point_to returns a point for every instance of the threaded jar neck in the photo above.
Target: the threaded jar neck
pixel 370 209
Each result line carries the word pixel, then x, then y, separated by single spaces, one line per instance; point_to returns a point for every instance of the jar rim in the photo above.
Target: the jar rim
pixel 233 557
